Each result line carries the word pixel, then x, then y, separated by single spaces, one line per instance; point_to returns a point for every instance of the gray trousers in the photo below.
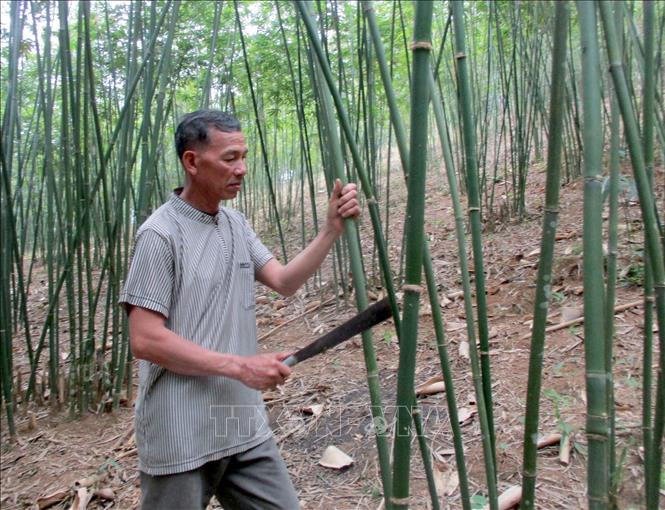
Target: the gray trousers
pixel 256 479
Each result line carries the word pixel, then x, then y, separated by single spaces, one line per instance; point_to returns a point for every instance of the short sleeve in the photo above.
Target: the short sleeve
pixel 149 281
pixel 258 252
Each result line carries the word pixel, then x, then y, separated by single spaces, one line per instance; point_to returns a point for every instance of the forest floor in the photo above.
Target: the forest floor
pixel 326 401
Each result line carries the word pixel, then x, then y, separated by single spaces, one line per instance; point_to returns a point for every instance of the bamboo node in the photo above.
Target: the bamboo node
pixel 415 411
pixel 374 374
pixel 553 210
pixel 372 201
pixel 421 45
pixel 417 289
pixel 473 209
pixel 593 178
pixel 400 501
pixel 460 55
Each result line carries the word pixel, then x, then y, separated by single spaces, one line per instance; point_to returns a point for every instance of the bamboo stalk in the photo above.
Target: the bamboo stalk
pixel 396 121
pixel 351 234
pixel 75 238
pixel 597 421
pixel 474 215
pixel 415 211
pixel 474 220
pixel 648 115
pixel 259 128
pixel 544 278
pixel 612 242
pixel 653 244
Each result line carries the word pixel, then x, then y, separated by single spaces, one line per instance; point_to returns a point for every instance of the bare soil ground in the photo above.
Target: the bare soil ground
pixel 57 456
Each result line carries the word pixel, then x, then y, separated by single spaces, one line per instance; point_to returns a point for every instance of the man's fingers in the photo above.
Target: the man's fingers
pixel 281 356
pixel 348 207
pixel 351 212
pixel 348 194
pixel 347 200
pixel 351 186
pixel 284 370
pixel 337 189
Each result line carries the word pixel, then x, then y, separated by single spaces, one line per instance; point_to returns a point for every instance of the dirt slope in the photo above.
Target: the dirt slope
pixel 53 453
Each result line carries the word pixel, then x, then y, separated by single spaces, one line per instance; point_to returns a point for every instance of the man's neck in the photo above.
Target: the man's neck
pixel 199 200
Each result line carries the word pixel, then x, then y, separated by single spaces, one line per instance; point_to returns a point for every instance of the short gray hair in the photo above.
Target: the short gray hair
pixel 193 128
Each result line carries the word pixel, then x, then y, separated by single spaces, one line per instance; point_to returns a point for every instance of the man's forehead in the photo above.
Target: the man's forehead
pixel 234 140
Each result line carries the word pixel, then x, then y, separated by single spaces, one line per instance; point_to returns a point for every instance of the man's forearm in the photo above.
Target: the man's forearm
pixel 167 349
pixel 343 205
pixel 151 340
pixel 286 279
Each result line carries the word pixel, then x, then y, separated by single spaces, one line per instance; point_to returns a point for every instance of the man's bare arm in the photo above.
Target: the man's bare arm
pixel 151 340
pixel 286 279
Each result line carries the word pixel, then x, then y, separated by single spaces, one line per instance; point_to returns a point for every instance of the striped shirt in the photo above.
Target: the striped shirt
pixel 198 271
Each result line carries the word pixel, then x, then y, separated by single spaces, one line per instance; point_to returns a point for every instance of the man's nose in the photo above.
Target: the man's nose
pixel 241 168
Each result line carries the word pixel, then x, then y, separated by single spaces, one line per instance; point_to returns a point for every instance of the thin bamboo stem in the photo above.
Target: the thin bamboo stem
pixel 415 213
pixel 597 421
pixel 474 214
pixel 476 228
pixel 652 240
pixel 544 278
pixel 400 136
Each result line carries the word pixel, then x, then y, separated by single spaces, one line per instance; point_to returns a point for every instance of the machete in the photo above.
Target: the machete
pixel 371 316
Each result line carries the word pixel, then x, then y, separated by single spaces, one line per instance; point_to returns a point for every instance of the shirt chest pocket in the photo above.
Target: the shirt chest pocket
pixel 246 285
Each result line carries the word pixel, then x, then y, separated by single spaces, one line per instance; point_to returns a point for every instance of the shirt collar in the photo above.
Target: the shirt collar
pixel 189 210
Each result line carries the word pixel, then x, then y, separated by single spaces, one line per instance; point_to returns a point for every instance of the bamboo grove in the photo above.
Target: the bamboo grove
pixel 91 94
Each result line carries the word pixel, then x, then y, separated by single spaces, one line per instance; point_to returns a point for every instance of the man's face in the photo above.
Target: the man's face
pixel 220 164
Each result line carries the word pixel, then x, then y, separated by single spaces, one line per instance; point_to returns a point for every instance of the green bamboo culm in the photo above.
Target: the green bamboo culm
pixel 647 141
pixel 653 462
pixel 6 216
pixel 597 422
pixel 400 137
pixel 548 239
pixel 414 226
pixel 465 98
pixel 612 253
pixel 437 107
pixel 367 189
pixel 75 239
pixel 8 244
pixel 355 253
pixel 359 281
pixel 378 236
pixel 264 151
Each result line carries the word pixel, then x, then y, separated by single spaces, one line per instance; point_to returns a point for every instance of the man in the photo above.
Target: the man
pixel 201 426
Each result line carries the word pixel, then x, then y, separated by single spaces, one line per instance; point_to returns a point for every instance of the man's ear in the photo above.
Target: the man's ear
pixel 189 162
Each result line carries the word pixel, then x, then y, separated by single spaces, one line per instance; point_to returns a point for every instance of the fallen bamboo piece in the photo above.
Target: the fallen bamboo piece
pixel 509 499
pixel 580 320
pixel 126 454
pixel 122 440
pixel 564 450
pixel 53 499
pixel 549 440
